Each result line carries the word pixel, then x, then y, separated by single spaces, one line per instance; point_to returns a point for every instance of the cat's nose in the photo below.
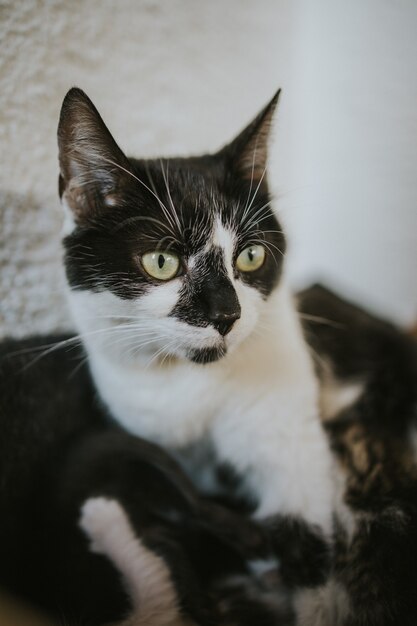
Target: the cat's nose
pixel 223 322
pixel 220 304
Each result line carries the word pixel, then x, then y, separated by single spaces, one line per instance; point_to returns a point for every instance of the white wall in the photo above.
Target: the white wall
pixel 351 180
pixel 183 76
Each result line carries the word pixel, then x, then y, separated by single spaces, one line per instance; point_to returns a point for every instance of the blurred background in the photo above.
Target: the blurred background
pixel 184 76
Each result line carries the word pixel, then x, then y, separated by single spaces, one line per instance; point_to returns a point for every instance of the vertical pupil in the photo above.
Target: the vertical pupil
pixel 251 254
pixel 161 261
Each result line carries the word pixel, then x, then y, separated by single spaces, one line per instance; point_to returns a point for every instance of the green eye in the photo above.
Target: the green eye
pixel 161 265
pixel 251 259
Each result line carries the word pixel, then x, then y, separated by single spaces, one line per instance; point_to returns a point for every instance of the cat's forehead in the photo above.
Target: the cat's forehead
pixel 189 204
pixel 213 223
pixel 192 199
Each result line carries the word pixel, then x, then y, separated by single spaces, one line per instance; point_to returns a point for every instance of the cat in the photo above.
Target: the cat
pixel 176 281
pixel 186 354
pixel 306 419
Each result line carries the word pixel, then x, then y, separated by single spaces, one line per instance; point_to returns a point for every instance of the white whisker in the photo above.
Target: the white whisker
pixel 320 320
pixel 161 204
pixel 255 194
pixel 173 209
pixel 251 178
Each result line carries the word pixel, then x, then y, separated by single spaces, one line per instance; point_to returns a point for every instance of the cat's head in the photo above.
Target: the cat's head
pixel 172 256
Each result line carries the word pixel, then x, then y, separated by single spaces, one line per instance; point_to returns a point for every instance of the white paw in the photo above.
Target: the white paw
pixel 99 518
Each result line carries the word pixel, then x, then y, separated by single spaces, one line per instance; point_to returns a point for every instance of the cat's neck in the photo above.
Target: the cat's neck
pixel 174 402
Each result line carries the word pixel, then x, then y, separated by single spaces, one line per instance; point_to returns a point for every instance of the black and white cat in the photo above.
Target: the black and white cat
pixel 181 262
pixel 176 282
pixel 194 341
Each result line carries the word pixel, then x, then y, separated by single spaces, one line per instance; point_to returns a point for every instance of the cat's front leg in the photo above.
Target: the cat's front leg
pixel 281 452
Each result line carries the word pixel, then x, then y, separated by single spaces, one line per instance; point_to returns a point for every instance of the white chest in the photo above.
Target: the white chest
pixel 265 424
pixel 171 406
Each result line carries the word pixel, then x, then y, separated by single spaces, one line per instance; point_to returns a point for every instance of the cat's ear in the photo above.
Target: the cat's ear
pixel 248 152
pixel 92 166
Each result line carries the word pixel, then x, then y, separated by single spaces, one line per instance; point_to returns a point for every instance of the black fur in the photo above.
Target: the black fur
pixel 304 554
pixel 58 448
pixel 372 440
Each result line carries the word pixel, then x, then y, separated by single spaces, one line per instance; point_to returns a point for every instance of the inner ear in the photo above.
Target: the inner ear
pixel 247 154
pixel 93 169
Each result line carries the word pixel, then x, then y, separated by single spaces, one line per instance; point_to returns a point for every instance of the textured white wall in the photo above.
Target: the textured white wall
pixel 168 77
pixel 183 76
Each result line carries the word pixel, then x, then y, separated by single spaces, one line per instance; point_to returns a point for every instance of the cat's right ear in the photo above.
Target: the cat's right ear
pixel 93 169
pixel 247 154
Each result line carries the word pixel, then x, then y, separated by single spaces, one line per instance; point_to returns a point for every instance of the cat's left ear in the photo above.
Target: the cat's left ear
pixel 247 154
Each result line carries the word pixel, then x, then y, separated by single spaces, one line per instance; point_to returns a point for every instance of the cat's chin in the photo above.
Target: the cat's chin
pixel 206 355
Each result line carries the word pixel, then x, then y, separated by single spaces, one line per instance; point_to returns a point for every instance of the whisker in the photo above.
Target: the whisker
pixel 275 232
pixel 161 204
pixel 160 351
pixel 167 214
pixel 267 244
pixel 251 178
pixel 78 367
pixel 71 342
pixel 126 339
pixel 257 217
pixel 173 209
pixel 321 320
pixel 256 191
pixel 139 218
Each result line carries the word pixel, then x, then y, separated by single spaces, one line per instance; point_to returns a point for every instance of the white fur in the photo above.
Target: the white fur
pixel 328 605
pixel 145 574
pixel 69 222
pixel 224 238
pixel 259 404
pixel 269 426
pixel 259 567
pixel 337 395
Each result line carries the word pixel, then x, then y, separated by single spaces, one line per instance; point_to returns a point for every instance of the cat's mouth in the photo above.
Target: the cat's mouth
pixel 207 355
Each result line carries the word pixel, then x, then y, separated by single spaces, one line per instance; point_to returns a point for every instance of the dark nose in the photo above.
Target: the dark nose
pixel 223 322
pixel 221 305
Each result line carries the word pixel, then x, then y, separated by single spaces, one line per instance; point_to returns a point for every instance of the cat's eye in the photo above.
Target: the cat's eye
pixel 161 265
pixel 251 258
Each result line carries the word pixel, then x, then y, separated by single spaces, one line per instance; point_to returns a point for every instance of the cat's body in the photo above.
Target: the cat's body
pixel 219 354
pixel 45 558
pixel 257 398
pixel 265 392
pixel 175 280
